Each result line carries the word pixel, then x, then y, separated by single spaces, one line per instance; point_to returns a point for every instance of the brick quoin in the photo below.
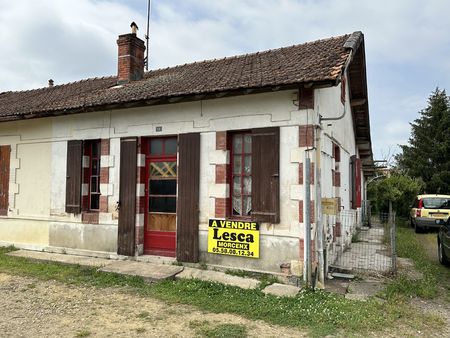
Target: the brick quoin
pixel 337 179
pixel 300 212
pixel 104 147
pixel 103 204
pixel 221 140
pixel 306 136
pixel 302 250
pixel 311 173
pixel 221 173
pixel 221 207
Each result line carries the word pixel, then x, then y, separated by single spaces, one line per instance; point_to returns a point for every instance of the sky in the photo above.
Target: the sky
pixel 407 43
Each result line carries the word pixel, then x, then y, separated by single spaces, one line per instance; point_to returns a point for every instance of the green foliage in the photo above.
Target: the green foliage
pixel 428 153
pixel 398 188
pixel 320 312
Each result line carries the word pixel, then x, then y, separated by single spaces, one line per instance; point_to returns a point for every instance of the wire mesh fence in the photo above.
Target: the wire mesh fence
pixel 364 245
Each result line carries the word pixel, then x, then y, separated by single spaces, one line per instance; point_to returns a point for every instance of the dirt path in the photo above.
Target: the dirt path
pixel 32 308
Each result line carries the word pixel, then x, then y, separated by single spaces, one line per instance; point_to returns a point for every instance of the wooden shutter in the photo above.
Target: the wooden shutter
pixel 355 182
pixel 73 176
pixel 266 175
pixel 188 197
pixel 127 197
pixel 4 179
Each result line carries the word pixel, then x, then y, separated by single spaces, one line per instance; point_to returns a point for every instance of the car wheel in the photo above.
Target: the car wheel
pixel 417 228
pixel 443 259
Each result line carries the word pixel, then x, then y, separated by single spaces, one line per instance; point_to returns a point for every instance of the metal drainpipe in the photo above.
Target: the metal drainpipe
pixel 307 222
pixel 318 209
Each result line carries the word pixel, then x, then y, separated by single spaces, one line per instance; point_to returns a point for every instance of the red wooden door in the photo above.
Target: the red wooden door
pixel 161 197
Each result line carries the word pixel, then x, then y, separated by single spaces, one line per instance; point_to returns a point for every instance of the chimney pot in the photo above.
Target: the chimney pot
pixel 50 83
pixel 134 27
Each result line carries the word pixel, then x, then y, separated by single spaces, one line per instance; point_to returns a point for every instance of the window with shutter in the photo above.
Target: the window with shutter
pixel 4 179
pixel 266 175
pixel 73 176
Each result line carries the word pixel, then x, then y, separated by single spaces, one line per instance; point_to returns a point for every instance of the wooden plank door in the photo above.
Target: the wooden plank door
pixel 4 179
pixel 188 197
pixel 127 197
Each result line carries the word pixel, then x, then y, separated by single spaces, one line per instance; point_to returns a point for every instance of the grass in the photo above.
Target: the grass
pixel 226 330
pixel 434 275
pixel 319 312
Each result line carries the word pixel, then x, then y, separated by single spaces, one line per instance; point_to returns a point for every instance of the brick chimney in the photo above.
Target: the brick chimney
pixel 131 57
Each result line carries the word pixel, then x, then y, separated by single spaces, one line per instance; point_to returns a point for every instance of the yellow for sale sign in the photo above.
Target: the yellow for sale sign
pixel 236 238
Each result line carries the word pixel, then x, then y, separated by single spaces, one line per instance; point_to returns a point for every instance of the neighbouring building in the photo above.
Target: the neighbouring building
pixel 139 163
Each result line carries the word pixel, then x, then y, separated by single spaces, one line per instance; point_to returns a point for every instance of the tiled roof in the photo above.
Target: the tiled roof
pixel 318 61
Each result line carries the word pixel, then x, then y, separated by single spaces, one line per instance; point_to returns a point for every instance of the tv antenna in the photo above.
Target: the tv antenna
pixel 147 35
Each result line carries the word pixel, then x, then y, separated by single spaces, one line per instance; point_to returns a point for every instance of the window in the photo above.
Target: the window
pixel 92 150
pixel 241 166
pixel 83 176
pixel 4 179
pixel 253 175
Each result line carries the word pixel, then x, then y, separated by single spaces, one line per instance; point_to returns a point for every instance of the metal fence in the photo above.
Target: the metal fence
pixel 363 245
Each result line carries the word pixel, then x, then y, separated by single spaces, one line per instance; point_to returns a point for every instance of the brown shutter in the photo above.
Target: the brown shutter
pixel 73 176
pixel 266 175
pixel 188 197
pixel 4 179
pixel 127 197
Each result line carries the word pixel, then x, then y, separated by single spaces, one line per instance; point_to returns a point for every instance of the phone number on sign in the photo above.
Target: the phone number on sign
pixel 226 251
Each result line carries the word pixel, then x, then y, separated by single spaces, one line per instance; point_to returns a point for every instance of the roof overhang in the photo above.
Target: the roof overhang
pixel 357 83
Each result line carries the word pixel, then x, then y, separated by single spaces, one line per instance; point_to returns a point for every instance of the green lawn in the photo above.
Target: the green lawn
pixel 416 247
pixel 319 312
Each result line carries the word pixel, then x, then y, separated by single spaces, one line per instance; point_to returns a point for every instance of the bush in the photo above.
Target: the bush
pixel 398 188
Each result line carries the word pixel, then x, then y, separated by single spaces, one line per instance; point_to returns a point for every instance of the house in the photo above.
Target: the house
pixel 203 162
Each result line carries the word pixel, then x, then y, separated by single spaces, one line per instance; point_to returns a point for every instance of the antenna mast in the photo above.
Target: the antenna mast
pixel 147 36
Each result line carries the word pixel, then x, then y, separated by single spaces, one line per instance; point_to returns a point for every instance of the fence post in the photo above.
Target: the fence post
pixel 393 243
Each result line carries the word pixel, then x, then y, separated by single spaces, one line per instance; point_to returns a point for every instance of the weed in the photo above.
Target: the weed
pixel 177 263
pixel 225 331
pixel 203 266
pixel 144 315
pixel 83 333
pixel 140 330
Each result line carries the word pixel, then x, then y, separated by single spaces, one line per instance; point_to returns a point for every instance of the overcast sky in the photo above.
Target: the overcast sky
pixel 407 43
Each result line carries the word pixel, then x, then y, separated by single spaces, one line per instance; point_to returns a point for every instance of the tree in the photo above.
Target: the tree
pixel 398 188
pixel 427 156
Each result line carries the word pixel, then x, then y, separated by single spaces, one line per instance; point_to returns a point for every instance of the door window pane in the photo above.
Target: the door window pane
pixel 163 187
pixel 163 169
pixel 171 146
pixel 156 147
pixel 163 204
